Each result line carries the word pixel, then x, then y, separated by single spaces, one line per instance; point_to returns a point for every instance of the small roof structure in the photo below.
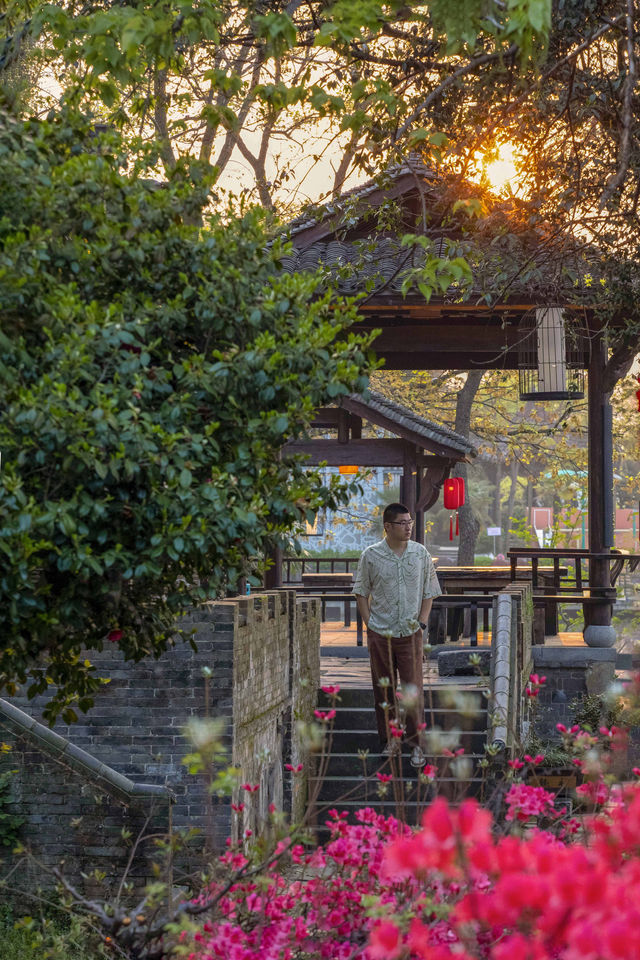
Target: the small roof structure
pixel 395 417
pixel 426 451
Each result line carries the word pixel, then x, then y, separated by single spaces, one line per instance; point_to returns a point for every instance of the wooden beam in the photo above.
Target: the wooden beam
pixel 325 417
pixel 492 359
pixel 430 484
pixel 360 453
pixel 343 426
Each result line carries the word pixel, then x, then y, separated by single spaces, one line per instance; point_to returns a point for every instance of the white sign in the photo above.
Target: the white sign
pixel 494 531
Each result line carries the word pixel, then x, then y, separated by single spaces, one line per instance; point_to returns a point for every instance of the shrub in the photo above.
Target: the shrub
pixel 151 371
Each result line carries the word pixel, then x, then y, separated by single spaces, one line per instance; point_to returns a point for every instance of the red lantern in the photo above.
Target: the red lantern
pixel 453 500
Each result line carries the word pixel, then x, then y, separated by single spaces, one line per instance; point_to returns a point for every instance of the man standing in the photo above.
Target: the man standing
pixel 394 587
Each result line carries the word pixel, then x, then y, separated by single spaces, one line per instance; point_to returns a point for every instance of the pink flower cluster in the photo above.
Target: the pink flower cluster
pixel 535 683
pixel 524 802
pixel 523 898
pixel 453 890
pixel 320 913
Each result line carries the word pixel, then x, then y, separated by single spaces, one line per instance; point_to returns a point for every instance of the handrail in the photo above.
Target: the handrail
pixel 328 563
pixel 617 561
pixel 63 751
pixel 502 670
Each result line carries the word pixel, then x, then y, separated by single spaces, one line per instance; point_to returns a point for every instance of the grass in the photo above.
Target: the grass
pixel 58 943
pixel 18 944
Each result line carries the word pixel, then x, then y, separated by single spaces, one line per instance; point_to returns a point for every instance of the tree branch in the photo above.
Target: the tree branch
pixel 624 155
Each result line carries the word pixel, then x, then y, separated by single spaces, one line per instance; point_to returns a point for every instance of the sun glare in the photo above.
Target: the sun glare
pixel 502 172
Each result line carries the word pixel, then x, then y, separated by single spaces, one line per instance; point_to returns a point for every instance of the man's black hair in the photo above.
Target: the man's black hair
pixel 393 510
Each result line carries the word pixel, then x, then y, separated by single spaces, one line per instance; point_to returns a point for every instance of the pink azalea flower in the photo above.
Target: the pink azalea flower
pixel 384 942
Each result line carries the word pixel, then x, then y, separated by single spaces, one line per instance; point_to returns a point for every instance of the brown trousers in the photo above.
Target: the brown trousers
pixel 397 657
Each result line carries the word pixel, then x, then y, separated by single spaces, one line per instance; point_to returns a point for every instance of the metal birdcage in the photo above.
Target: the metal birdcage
pixel 551 356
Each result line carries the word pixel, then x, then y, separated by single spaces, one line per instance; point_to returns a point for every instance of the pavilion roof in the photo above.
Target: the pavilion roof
pixel 403 422
pixel 513 262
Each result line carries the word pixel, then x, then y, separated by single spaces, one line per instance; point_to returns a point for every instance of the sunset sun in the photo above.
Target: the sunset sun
pixel 502 171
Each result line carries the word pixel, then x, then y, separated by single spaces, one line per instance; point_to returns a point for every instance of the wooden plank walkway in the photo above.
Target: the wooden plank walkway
pixel 350 666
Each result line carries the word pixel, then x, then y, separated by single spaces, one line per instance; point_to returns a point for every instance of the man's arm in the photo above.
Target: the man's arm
pixel 425 609
pixel 362 604
pixel 362 589
pixel 430 589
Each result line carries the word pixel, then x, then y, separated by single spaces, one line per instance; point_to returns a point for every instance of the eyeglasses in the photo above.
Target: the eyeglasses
pixel 401 523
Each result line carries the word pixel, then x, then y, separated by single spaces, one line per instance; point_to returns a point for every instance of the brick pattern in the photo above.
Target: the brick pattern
pixel 263 652
pixel 571 672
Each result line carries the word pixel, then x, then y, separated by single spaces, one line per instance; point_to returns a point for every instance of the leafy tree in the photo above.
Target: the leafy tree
pixel 150 372
pixel 273 87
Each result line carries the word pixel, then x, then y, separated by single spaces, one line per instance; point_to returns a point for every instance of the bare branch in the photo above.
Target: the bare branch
pixel 437 93
pixel 624 155
pixel 160 116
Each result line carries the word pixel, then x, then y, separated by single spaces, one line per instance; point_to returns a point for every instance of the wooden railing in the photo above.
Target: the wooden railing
pixel 450 614
pixel 294 567
pixel 577 577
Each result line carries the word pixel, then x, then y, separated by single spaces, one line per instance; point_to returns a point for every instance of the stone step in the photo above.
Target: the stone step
pixel 436 697
pixel 449 708
pixel 354 790
pixel 349 764
pixel 362 718
pixel 354 741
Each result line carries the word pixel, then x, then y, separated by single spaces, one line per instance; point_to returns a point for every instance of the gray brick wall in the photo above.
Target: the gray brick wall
pixel 263 652
pixel 571 672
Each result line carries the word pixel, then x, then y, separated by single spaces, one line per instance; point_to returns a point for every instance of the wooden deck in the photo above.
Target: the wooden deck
pixel 350 666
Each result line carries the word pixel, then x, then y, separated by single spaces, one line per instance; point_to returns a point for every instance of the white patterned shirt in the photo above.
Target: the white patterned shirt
pixel 396 586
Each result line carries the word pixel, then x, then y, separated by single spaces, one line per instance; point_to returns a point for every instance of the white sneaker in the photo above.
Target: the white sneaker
pixel 392 749
pixel 418 758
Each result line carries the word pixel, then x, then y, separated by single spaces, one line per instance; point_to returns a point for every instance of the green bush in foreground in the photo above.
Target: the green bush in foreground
pixel 150 371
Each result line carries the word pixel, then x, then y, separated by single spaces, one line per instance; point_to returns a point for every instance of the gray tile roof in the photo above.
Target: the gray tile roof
pixel 406 422
pixel 383 262
pixel 530 265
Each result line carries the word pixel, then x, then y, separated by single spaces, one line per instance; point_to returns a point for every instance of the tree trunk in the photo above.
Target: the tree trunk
pixel 511 502
pixel 497 500
pixel 469 523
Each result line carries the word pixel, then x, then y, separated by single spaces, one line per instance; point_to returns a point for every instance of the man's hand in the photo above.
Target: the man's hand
pixel 362 604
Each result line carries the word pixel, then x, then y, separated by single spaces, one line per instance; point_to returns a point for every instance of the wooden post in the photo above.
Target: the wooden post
pixel 273 576
pixel 409 484
pixel 598 629
pixel 343 426
pixel 419 527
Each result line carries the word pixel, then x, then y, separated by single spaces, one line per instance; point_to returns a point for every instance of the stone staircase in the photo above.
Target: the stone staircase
pixel 456 716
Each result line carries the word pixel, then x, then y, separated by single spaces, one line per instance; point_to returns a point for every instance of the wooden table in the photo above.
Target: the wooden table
pixel 492 579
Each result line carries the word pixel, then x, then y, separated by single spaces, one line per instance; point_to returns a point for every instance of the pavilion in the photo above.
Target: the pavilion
pixel 480 327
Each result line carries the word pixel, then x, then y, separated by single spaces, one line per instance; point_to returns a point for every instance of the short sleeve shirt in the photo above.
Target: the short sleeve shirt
pixel 396 586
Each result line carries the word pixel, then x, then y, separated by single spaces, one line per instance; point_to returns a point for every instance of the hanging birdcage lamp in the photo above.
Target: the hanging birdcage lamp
pixel 550 357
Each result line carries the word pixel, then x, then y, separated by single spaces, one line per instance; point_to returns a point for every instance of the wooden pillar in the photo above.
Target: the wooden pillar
pixel 273 576
pixel 343 426
pixel 419 527
pixel 409 482
pixel 598 629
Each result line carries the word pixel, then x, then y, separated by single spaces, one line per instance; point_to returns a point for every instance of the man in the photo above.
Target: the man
pixel 394 587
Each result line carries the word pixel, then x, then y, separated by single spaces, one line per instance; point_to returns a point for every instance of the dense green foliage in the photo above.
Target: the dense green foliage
pixel 151 371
